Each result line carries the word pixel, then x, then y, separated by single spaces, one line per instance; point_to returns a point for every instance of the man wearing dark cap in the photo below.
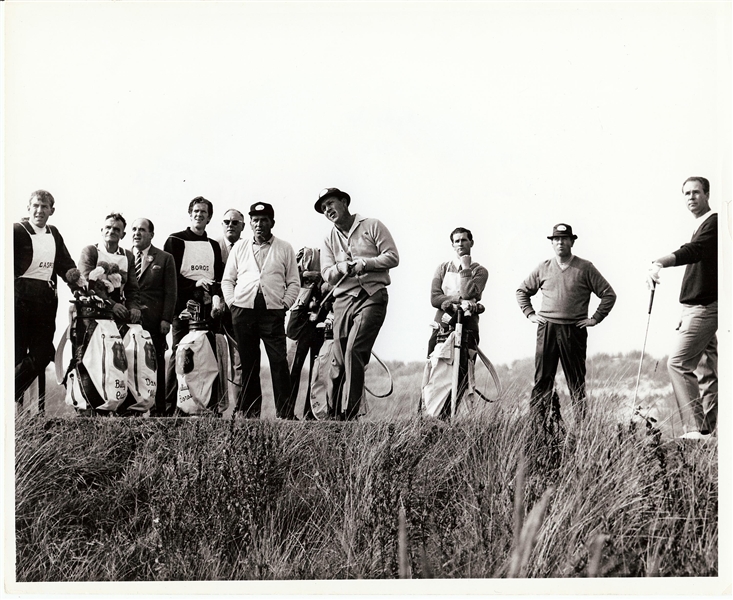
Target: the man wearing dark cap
pixel 566 282
pixel 356 258
pixel 260 284
pixel 693 360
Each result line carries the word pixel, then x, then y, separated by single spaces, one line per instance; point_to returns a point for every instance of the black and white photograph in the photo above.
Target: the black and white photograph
pixel 333 298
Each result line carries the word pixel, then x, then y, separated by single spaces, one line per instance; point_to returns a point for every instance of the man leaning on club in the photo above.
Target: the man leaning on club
pixel 566 282
pixel 356 258
pixel 696 344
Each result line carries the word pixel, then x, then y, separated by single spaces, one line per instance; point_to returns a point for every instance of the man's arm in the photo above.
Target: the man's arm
pixel 88 260
pixel 388 256
pixel 175 247
pixel 62 261
pixel 329 268
pixel 229 278
pixel 473 282
pixel 703 246
pixel 292 278
pixel 528 288
pixel 170 282
pixel 604 291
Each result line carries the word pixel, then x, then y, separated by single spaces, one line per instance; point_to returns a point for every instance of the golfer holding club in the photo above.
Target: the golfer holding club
pixel 696 344
pixel 566 282
pixel 356 258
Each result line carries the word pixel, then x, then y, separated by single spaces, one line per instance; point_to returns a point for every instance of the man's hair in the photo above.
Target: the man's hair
pixel 461 230
pixel 149 222
pixel 702 181
pixel 117 217
pixel 228 210
pixel 201 200
pixel 43 196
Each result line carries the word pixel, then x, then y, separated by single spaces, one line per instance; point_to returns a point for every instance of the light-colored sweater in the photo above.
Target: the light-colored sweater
pixel 278 278
pixel 566 294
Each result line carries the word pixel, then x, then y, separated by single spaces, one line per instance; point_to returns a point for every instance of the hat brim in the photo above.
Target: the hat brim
pixel 342 195
pixel 575 237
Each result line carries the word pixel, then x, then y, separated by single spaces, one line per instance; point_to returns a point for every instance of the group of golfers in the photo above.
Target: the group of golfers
pixel 246 284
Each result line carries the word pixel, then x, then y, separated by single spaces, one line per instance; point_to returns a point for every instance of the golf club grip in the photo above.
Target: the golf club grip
pixel 651 299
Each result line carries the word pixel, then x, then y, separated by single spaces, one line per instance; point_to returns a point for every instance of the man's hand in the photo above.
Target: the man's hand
pixel 120 311
pixel 587 323
pixel 359 266
pixel 216 306
pixel 205 283
pixel 165 327
pixel 135 315
pixel 469 307
pixel 466 261
pixel 652 275
pixel 344 268
pixel 537 319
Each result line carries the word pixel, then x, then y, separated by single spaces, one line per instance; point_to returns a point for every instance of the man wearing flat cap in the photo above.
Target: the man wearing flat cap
pixel 260 284
pixel 566 282
pixel 356 258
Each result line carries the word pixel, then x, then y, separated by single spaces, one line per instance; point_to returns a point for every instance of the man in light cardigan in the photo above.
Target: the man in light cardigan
pixel 260 284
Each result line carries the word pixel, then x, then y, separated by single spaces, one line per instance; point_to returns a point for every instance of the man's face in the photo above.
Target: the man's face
pixel 335 209
pixel 261 227
pixel 113 231
pixel 39 211
pixel 562 246
pixel 141 234
pixel 697 200
pixel 200 216
pixel 461 244
pixel 232 225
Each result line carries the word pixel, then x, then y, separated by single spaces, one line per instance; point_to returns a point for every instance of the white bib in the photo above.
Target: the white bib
pixel 119 259
pixel 44 254
pixel 198 261
pixel 451 284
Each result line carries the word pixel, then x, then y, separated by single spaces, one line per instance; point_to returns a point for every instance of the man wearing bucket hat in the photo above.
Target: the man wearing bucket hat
pixel 566 282
pixel 260 284
pixel 356 258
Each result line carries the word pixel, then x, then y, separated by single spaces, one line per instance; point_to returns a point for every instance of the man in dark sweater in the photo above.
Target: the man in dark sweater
pixel 39 256
pixel 566 282
pixel 696 345
pixel 199 269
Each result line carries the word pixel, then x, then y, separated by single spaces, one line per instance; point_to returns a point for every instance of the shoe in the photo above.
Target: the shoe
pixel 695 435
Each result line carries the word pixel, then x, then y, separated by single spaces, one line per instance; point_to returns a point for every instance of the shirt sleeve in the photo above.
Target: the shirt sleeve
pixel 528 288
pixel 292 278
pixel 171 289
pixel 88 260
pixel 603 290
pixel 703 246
pixel 229 278
pixel 388 256
pixel 63 261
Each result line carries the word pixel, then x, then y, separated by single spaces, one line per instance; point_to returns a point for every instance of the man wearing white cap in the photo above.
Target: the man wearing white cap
pixel 566 282
pixel 260 284
pixel 356 258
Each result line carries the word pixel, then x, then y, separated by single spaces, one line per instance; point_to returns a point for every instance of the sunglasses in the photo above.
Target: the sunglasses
pixel 234 222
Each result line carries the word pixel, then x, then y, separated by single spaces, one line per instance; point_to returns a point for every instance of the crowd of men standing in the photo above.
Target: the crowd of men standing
pixel 245 285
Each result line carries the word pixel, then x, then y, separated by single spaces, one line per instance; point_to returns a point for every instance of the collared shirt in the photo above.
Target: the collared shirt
pixel 261 251
pixel 144 253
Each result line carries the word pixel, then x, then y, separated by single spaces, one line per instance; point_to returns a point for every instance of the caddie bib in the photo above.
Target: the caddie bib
pixel 451 283
pixel 198 260
pixel 44 254
pixel 119 259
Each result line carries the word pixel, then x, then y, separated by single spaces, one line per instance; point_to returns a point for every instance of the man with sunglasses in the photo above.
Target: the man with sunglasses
pixel 356 258
pixel 232 226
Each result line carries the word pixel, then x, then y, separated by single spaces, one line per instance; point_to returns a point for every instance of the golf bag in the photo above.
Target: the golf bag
pixel 321 404
pixel 96 377
pixel 142 369
pixel 438 376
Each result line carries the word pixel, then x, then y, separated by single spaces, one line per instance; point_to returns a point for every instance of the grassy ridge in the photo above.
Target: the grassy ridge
pixel 144 499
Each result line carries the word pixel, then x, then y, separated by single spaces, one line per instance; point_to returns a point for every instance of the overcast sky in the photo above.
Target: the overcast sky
pixel 503 118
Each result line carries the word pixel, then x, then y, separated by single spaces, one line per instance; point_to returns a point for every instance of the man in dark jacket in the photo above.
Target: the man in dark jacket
pixel 39 255
pixel 156 274
pixel 696 345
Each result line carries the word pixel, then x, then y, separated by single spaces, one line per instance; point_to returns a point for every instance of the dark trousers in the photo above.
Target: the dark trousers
pixel 35 324
pixel 310 341
pixel 158 340
pixel 356 326
pixel 250 326
pixel 566 344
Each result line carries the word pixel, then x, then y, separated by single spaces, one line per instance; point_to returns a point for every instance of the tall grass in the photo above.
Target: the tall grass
pixel 168 499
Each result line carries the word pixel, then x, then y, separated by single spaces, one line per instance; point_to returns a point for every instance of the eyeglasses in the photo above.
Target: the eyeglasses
pixel 234 222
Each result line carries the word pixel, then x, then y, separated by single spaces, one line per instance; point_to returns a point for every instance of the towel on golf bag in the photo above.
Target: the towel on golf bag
pixel 142 368
pixel 196 370
pixel 438 377
pixel 320 403
pixel 99 379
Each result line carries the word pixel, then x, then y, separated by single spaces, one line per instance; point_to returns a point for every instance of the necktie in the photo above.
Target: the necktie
pixel 138 264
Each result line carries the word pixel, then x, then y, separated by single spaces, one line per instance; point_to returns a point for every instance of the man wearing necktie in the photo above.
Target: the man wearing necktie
pixel 260 284
pixel 156 274
pixel 232 227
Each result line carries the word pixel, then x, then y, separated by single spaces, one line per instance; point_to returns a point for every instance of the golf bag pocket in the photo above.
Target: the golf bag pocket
pixel 320 374
pixel 142 368
pixel 196 370
pixel 99 379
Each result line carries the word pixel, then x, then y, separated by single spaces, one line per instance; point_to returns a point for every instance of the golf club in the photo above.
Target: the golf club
pixel 643 348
